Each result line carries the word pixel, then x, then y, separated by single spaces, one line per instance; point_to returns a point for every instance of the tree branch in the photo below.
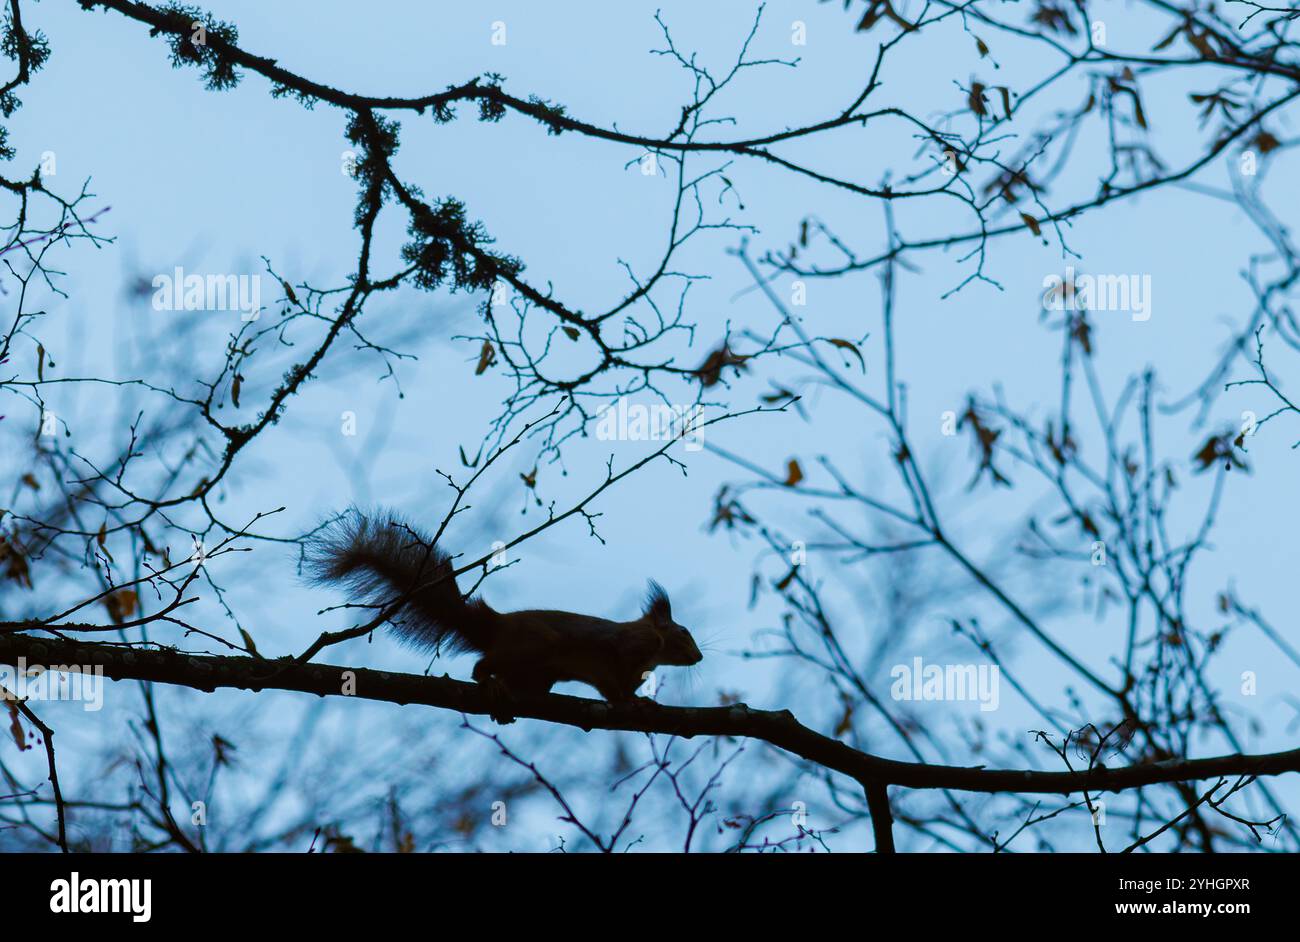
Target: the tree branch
pixel 775 727
pixel 882 820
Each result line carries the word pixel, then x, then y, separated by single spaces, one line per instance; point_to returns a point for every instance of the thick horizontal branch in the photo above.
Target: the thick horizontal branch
pixel 776 727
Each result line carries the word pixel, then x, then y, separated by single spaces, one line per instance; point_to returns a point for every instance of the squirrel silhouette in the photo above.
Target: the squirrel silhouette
pixel 386 561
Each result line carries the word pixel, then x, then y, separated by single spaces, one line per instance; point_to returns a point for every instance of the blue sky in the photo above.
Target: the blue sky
pixel 213 181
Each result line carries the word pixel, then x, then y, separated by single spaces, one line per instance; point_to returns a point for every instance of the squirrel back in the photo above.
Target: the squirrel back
pixel 378 561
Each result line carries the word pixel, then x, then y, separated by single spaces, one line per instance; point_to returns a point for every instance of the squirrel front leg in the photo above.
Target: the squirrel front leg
pixel 619 686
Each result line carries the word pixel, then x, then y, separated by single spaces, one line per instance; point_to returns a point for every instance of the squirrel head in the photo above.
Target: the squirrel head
pixel 679 647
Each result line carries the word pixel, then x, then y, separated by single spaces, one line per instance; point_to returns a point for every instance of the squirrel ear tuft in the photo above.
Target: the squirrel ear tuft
pixel 656 603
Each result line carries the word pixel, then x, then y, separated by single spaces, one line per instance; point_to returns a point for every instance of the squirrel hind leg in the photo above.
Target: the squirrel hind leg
pixel 483 671
pixel 515 680
pixel 497 691
pixel 504 685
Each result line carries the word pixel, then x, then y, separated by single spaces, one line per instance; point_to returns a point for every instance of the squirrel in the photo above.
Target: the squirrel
pixel 524 653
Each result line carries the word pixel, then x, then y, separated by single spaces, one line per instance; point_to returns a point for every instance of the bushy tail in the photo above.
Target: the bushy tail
pixel 380 559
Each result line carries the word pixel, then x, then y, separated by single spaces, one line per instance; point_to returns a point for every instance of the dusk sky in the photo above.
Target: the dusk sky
pixel 213 182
